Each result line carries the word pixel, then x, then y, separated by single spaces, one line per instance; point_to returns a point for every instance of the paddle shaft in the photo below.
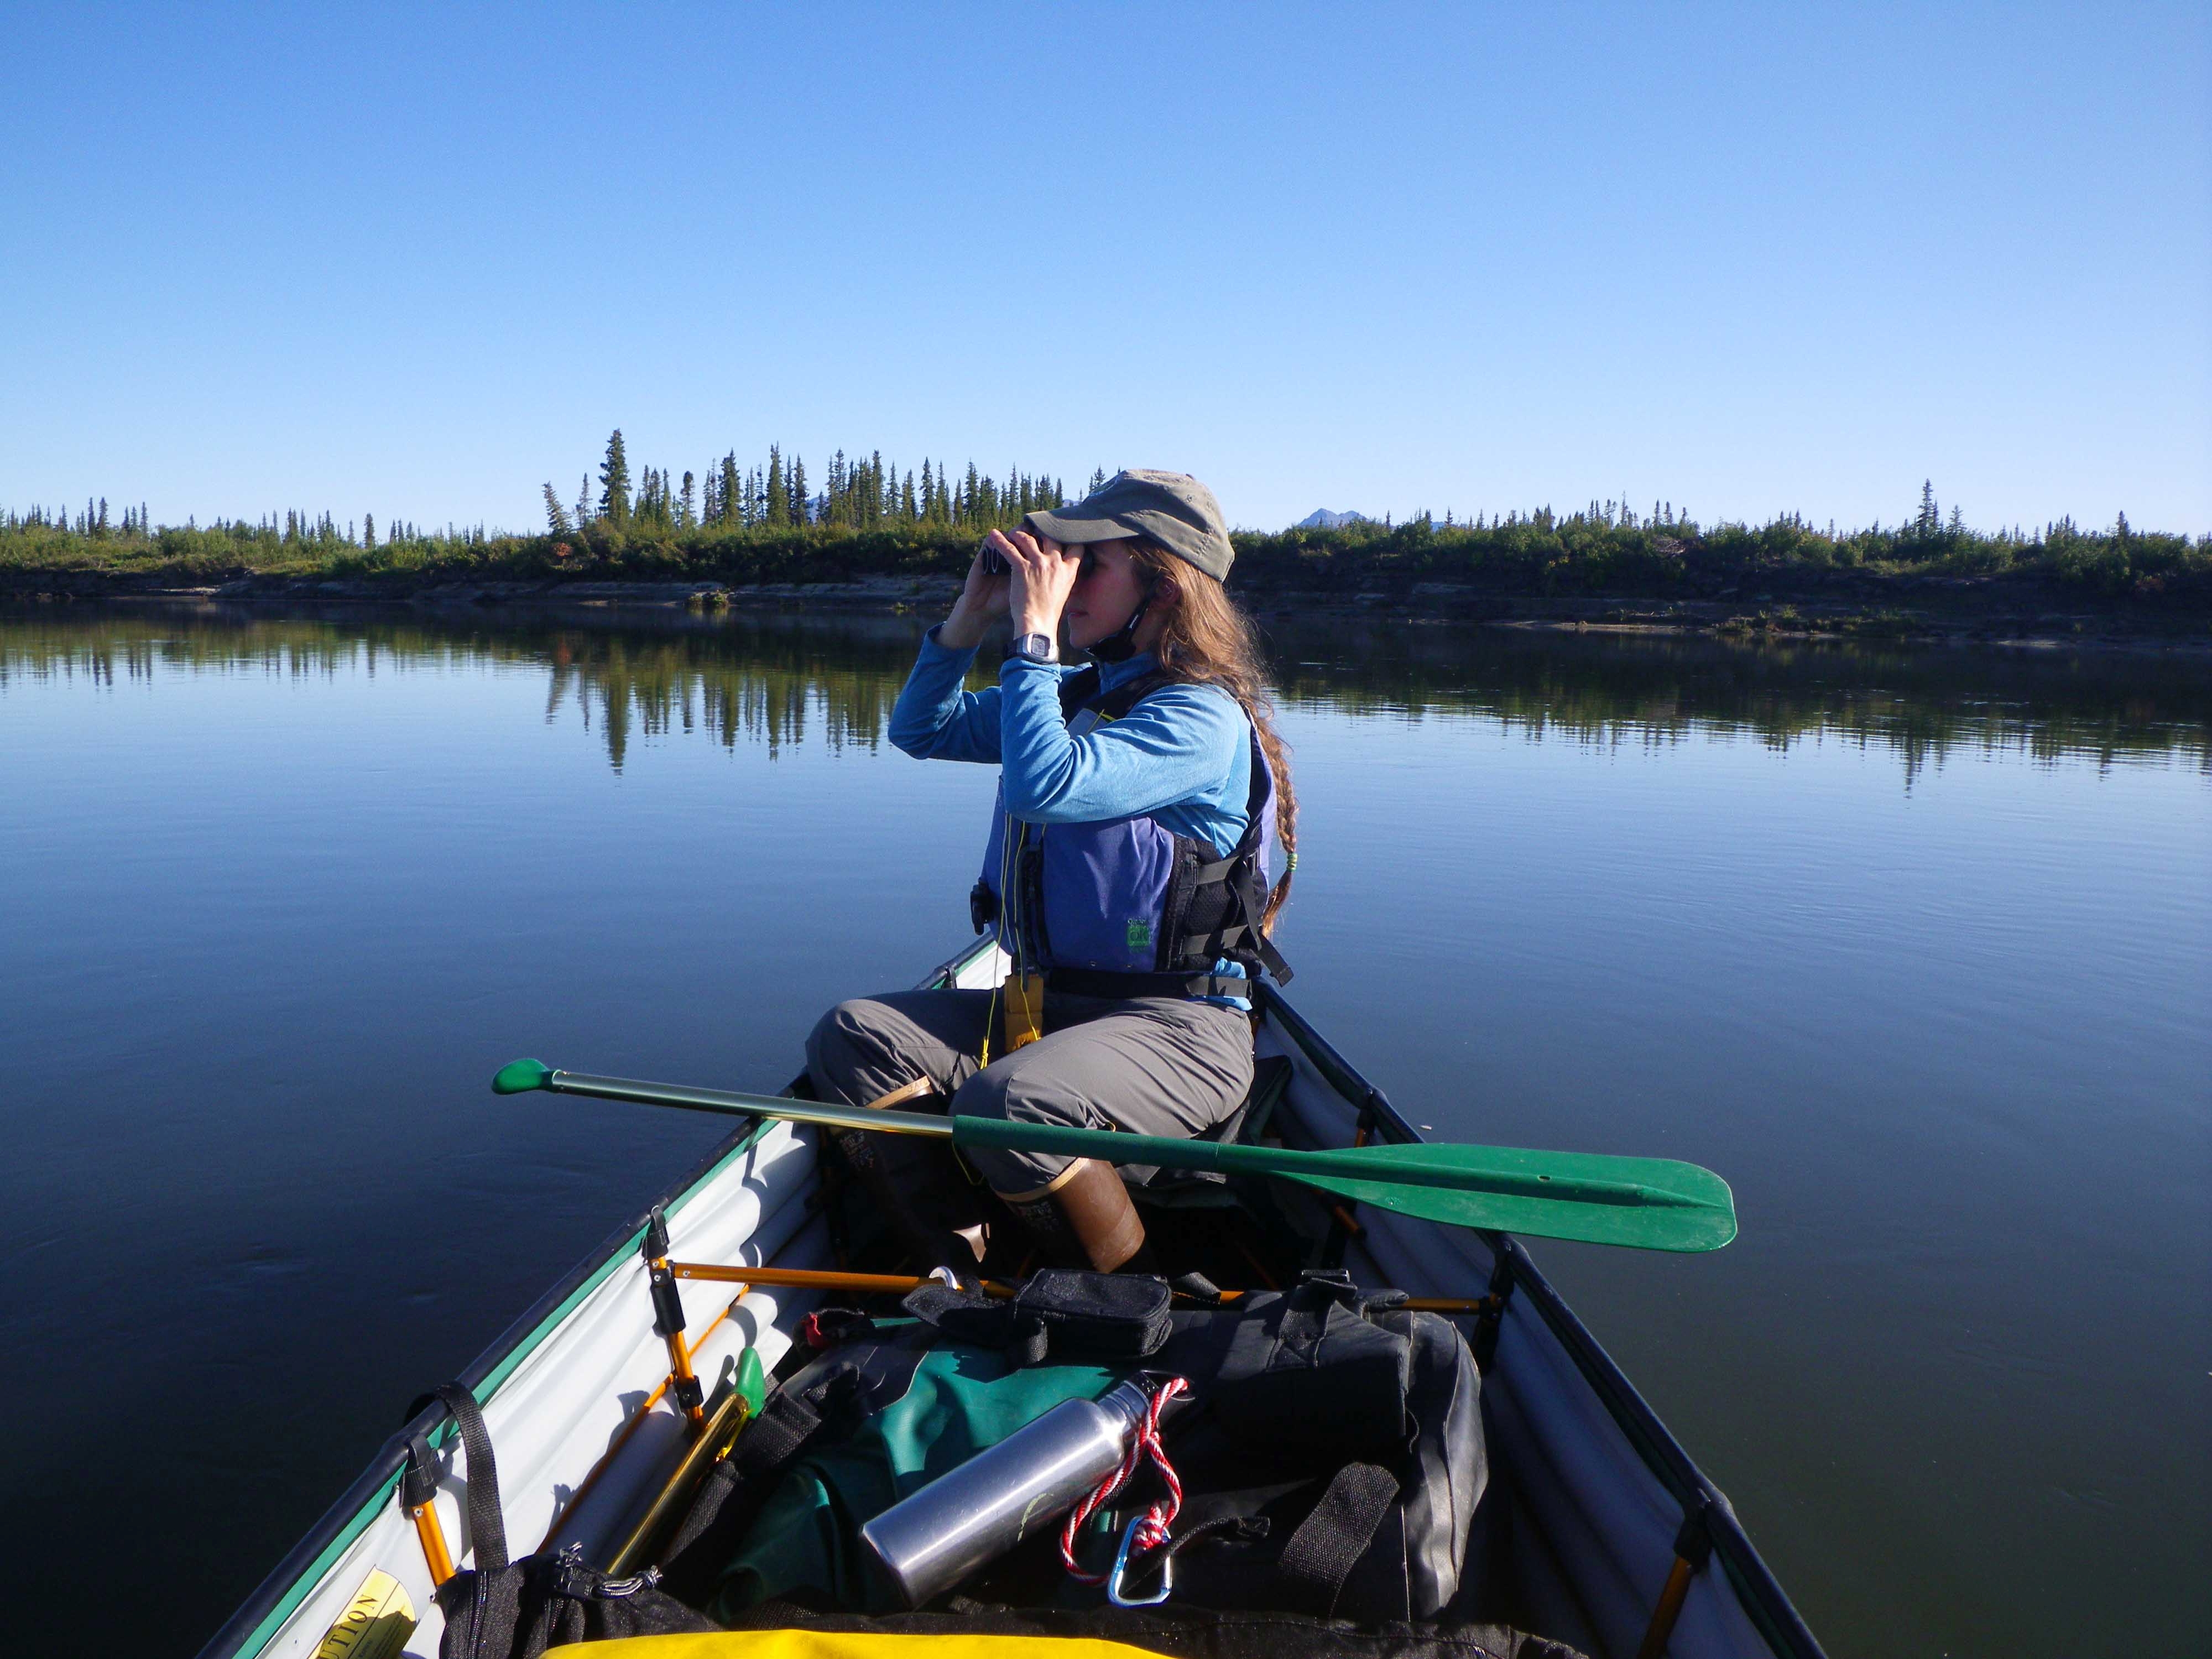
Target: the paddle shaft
pixel 1113 1147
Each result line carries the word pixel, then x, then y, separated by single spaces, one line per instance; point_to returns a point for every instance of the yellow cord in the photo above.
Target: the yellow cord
pixel 1005 902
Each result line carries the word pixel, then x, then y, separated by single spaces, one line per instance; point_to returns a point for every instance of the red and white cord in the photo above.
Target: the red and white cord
pixel 1152 1528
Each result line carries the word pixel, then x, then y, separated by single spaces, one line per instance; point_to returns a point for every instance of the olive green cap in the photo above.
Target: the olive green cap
pixel 1171 508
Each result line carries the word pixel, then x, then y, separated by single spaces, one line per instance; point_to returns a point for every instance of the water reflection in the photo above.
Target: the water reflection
pixel 776 679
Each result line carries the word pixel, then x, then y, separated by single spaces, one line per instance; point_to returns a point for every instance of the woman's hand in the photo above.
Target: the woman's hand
pixel 1040 575
pixel 982 600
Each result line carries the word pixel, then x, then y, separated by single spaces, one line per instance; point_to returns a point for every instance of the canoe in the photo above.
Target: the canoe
pixel 1611 1517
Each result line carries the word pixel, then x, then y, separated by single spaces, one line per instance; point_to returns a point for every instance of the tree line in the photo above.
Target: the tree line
pixel 765 523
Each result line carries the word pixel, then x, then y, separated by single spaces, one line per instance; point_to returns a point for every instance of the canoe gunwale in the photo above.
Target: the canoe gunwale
pixel 1760 1593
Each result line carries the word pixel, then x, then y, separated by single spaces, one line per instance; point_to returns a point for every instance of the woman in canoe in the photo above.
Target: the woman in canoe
pixel 1140 847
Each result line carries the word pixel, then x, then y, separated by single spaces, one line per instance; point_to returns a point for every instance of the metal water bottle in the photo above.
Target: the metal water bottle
pixel 929 1541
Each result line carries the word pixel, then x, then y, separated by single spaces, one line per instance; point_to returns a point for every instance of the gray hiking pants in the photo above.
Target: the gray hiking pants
pixel 1152 1066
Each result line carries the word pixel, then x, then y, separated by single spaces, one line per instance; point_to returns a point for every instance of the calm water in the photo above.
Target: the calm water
pixel 1914 948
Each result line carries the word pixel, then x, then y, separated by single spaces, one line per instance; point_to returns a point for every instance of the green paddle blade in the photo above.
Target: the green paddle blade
pixel 1645 1203
pixel 519 1077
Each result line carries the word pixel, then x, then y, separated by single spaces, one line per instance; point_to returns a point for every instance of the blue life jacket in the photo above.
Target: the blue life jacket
pixel 1126 907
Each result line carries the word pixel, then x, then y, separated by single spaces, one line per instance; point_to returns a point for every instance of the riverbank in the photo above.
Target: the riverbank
pixel 2023 610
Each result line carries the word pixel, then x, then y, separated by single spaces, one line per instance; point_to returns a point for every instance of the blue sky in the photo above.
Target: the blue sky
pixel 415 262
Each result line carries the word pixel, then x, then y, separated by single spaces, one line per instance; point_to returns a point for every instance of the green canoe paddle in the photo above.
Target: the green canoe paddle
pixel 1645 1203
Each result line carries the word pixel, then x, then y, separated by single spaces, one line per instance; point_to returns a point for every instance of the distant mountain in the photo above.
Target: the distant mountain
pixel 1322 518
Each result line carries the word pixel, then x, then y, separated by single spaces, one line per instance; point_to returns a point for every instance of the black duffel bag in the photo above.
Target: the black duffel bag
pixel 1352 1427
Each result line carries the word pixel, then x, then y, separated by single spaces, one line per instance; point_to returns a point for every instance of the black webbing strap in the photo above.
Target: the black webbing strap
pixel 1490 1320
pixel 1080 691
pixel 1245 935
pixel 1198 1288
pixel 487 1521
pixel 418 1476
pixel 774 1437
pixel 1299 1333
pixel 1099 982
pixel 1271 959
pixel 1329 1542
pixel 1246 932
pixel 1076 690
pixel 1305 1322
pixel 771 1440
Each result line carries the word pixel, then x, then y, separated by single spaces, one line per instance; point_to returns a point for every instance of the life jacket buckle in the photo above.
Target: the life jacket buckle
pixel 982 907
pixel 1114 1579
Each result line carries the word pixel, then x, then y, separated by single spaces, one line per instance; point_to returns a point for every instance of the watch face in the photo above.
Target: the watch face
pixel 1037 648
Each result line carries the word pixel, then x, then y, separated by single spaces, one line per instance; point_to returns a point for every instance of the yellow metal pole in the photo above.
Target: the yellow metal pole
pixel 435 1555
pixel 715 1441
pixel 1693 1547
pixel 1668 1611
pixel 807 1278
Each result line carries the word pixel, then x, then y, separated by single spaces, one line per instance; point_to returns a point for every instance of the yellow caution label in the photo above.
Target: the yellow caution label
pixel 375 1625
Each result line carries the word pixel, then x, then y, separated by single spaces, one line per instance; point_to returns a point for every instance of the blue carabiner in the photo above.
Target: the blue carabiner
pixel 1122 1567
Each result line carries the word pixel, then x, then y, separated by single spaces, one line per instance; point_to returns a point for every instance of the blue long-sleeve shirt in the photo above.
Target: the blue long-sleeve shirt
pixel 1182 755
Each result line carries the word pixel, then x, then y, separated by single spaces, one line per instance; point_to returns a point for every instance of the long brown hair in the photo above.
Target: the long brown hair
pixel 1207 638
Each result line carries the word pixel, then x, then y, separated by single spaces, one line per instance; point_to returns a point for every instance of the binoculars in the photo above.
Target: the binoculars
pixel 994 561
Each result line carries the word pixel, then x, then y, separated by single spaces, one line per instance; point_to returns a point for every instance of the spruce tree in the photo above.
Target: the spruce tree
pixel 614 482
pixel 368 529
pixel 802 508
pixel 732 490
pixel 557 516
pixel 779 499
pixel 687 519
